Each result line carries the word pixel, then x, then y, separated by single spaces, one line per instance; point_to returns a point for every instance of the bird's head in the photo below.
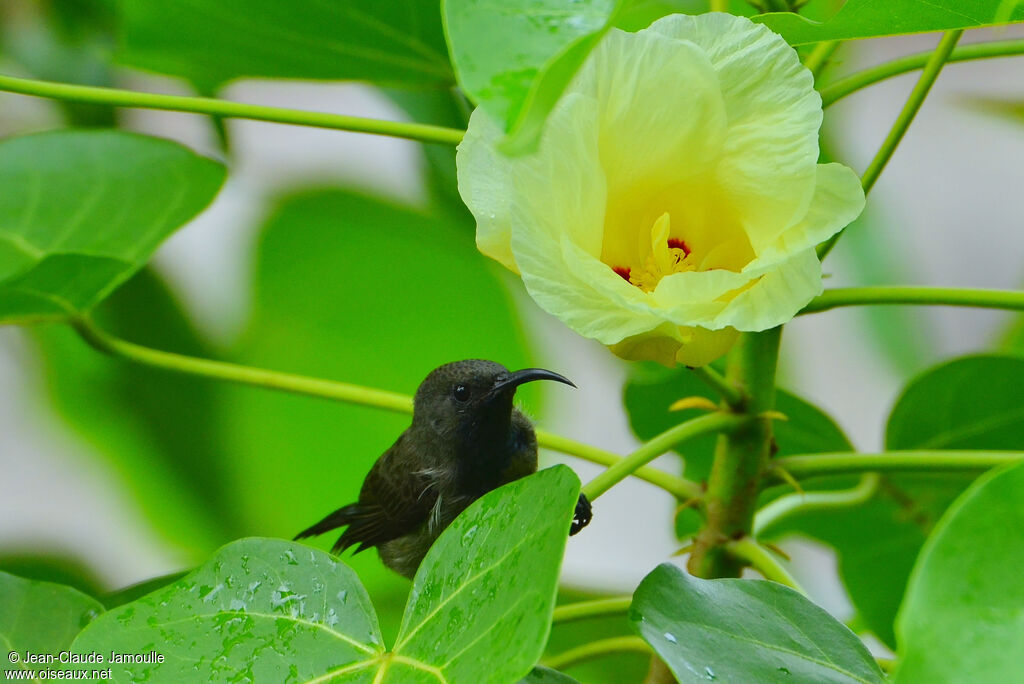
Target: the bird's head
pixel 466 399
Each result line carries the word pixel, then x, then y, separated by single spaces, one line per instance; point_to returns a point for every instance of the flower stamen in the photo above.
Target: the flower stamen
pixel 668 255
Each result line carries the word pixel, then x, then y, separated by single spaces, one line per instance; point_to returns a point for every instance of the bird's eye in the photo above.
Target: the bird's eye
pixel 461 392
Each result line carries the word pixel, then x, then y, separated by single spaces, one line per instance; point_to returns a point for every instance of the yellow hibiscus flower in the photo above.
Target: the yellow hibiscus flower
pixel 675 198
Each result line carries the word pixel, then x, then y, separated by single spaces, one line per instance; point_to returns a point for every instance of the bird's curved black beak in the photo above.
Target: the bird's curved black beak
pixel 528 375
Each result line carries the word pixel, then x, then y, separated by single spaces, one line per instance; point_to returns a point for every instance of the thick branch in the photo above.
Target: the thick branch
pixel 740 459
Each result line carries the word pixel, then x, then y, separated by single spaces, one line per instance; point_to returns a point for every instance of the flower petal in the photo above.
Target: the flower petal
pixel 771 145
pixel 706 345
pixel 662 123
pixel 838 200
pixel 485 186
pixel 670 344
pixel 775 297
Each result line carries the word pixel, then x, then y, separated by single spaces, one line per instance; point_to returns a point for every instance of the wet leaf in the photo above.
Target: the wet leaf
pixel 82 211
pixel 259 609
pixel 271 610
pixel 41 618
pixel 735 630
pixel 481 602
pixel 963 616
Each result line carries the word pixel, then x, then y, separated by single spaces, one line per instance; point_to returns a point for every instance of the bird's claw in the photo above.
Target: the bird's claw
pixel 581 516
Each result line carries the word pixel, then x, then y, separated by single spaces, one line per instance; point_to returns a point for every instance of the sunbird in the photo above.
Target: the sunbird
pixel 466 439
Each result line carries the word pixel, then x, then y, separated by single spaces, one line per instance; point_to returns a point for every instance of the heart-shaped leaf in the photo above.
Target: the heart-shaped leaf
pixel 481 602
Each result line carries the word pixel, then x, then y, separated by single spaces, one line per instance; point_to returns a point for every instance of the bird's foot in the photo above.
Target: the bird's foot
pixel 581 517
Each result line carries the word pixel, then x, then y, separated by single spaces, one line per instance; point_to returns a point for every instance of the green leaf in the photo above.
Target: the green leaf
pixel 481 602
pixel 514 58
pixel 162 433
pixel 82 211
pixel 40 618
pixel 871 18
pixel 259 609
pixel 271 610
pixel 968 403
pixel 360 290
pixel 545 675
pixel 391 42
pixel 963 615
pixel 737 630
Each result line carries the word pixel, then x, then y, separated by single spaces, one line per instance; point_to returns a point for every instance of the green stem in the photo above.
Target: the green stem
pixel 762 560
pixel 837 90
pixel 936 296
pixel 230 372
pixel 583 610
pixel 340 391
pixel 913 104
pixel 719 5
pixel 238 110
pixel 807 502
pixel 902 123
pixel 816 465
pixel 681 488
pixel 741 458
pixel 711 423
pixel 910 108
pixel 819 56
pixel 597 649
pixel 716 381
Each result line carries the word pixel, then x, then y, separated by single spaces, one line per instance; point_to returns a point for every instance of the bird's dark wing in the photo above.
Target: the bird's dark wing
pixel 393 502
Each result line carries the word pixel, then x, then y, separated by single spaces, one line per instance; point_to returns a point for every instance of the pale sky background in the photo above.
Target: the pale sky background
pixel 951 195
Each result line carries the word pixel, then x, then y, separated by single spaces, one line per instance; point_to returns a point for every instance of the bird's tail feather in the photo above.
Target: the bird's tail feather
pixel 366 525
pixel 339 518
